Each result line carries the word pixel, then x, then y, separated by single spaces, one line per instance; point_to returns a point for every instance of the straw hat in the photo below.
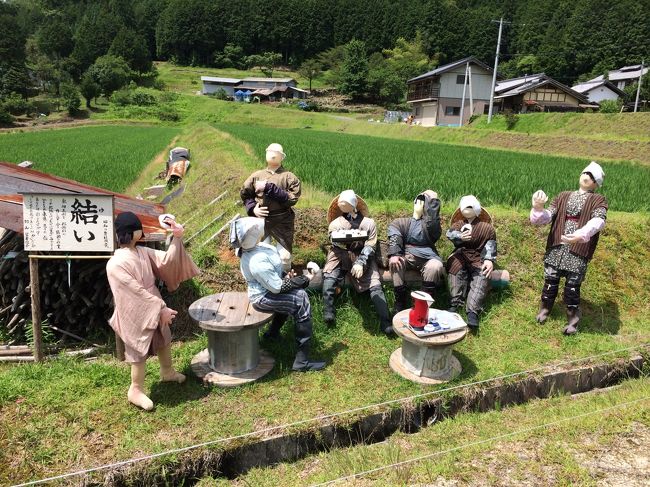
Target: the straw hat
pixel 483 217
pixel 334 212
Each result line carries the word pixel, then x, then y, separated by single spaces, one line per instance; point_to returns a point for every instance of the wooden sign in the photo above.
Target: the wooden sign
pixel 68 222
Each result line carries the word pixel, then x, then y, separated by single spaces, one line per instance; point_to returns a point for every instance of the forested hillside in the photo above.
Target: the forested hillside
pixel 94 47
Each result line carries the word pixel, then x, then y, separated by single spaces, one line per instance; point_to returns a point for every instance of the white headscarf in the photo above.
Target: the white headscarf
pixel 596 171
pixel 470 200
pixel 246 232
pixel 349 197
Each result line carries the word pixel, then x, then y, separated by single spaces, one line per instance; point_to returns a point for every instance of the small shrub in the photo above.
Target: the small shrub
pixel 472 118
pixel 70 96
pixel 205 257
pixel 168 113
pixel 143 98
pixel 17 105
pixel 610 106
pixel 42 107
pixel 122 97
pixel 168 96
pixel 220 94
pixel 511 120
pixel 309 106
pixel 5 117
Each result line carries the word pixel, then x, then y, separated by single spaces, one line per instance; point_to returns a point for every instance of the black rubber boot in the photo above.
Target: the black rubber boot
pixel 402 300
pixel 381 307
pixel 303 338
pixel 573 316
pixel 329 293
pixel 472 319
pixel 273 332
pixel 544 310
pixel 549 293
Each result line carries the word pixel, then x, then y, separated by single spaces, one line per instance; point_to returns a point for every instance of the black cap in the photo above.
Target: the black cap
pixel 127 223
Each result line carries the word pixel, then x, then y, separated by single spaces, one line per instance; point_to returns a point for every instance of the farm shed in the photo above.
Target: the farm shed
pixel 538 93
pixel 75 296
pixel 436 96
pixel 213 84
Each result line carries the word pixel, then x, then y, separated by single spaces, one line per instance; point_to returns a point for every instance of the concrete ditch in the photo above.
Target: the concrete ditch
pixel 236 460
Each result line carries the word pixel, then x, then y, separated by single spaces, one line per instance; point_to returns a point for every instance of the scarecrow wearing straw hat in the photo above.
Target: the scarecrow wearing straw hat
pixel 270 194
pixel 348 214
pixel 412 245
pixel 576 219
pixel 473 259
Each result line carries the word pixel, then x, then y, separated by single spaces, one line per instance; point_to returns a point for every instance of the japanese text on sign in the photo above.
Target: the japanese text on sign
pixel 68 222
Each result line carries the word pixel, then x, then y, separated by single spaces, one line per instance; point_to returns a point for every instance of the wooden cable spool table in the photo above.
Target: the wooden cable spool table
pixel 233 356
pixel 427 360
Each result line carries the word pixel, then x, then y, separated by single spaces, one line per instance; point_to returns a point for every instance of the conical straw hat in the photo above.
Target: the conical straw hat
pixel 483 217
pixel 334 211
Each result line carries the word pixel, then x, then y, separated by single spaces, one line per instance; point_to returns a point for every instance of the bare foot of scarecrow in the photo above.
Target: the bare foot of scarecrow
pixel 139 398
pixel 172 376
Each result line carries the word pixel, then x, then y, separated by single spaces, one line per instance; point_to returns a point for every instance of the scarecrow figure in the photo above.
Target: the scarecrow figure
pixel 576 219
pixel 412 245
pixel 269 291
pixel 270 194
pixel 354 237
pixel 472 261
pixel 141 317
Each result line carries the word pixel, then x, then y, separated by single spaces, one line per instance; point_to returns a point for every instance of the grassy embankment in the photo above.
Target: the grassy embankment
pixel 109 157
pixel 607 444
pixel 68 414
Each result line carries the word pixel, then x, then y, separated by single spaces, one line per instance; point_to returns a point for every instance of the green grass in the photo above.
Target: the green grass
pixel 380 168
pixel 575 452
pixel 70 414
pixel 624 126
pixel 109 157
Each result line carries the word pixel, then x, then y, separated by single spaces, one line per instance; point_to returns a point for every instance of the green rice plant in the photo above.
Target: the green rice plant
pixel 390 169
pixel 110 157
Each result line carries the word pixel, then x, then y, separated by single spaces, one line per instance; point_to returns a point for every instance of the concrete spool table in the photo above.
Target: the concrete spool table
pixel 426 360
pixel 233 356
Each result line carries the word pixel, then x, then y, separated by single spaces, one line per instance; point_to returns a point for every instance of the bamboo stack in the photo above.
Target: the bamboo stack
pixel 81 308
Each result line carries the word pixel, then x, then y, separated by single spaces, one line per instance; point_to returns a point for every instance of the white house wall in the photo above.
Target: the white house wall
pixel 481 83
pixel 601 93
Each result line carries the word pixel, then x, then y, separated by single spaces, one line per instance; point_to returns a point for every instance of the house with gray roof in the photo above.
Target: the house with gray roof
pixel 436 97
pixel 599 90
pixel 264 88
pixel 538 93
pixel 623 77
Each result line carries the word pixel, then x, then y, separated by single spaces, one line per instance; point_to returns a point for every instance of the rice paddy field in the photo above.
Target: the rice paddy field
pixel 110 156
pixel 391 169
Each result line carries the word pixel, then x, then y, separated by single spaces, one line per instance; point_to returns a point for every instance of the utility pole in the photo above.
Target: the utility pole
pixel 638 87
pixel 494 74
pixel 462 103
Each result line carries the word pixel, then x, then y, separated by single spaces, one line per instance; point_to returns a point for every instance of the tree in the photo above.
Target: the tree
pixel 94 35
pixel 89 88
pixel 131 47
pixel 110 73
pixel 54 38
pixel 70 95
pixel 354 70
pixel 232 56
pixel 408 59
pixel 265 62
pixel 310 69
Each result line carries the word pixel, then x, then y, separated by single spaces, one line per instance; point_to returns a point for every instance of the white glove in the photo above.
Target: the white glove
pixel 261 211
pixel 539 199
pixel 357 271
pixel 488 267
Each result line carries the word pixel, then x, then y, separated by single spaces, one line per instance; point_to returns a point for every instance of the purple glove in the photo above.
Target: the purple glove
pixel 275 192
pixel 250 204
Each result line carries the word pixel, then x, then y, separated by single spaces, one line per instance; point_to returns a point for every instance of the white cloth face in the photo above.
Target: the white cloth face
pixel 246 232
pixel 596 171
pixel 470 201
pixel 349 197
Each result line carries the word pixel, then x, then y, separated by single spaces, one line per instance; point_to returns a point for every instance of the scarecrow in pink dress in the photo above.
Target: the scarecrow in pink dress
pixel 141 317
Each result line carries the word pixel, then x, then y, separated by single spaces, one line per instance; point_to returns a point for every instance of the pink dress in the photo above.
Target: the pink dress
pixel 132 276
